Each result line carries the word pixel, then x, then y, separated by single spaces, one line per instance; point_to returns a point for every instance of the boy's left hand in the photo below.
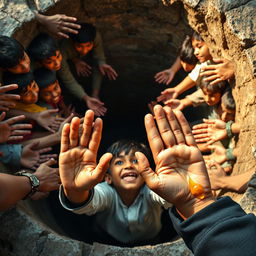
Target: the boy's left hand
pixel 106 69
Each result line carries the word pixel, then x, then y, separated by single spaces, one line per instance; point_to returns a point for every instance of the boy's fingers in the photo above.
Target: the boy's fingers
pixel 145 171
pixel 87 128
pixel 102 166
pixel 64 145
pixel 154 139
pixel 94 143
pixel 175 126
pixel 74 132
pixel 164 127
pixel 189 138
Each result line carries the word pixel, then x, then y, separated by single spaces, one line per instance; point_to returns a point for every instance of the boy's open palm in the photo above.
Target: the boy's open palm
pixel 79 171
pixel 180 176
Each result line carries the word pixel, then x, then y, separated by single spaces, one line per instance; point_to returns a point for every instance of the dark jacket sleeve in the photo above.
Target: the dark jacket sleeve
pixel 222 228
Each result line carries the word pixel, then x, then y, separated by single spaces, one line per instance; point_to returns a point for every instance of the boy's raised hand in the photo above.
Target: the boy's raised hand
pixel 8 100
pixel 79 171
pixel 180 176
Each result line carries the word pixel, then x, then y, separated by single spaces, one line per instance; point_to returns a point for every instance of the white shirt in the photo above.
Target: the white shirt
pixel 139 221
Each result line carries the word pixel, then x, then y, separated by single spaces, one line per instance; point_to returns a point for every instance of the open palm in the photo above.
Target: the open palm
pixel 180 176
pixel 79 171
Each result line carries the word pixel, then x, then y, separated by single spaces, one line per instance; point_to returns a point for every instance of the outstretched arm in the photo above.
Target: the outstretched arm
pixel 79 171
pixel 180 176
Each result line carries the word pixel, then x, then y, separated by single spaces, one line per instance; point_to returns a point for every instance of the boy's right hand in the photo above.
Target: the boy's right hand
pixel 48 120
pixel 165 76
pixel 180 177
pixel 167 94
pixel 8 100
pixel 78 169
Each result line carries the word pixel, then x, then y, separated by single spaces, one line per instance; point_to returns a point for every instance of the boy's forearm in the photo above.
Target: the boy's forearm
pixel 44 142
pixel 186 102
pixel 76 196
pixel 235 128
pixel 239 182
pixel 17 112
pixel 186 84
pixel 176 66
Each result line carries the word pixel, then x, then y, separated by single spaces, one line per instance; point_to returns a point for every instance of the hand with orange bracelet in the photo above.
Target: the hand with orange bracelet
pixel 180 176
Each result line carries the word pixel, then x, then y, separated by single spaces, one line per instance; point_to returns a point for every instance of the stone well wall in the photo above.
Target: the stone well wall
pixel 141 37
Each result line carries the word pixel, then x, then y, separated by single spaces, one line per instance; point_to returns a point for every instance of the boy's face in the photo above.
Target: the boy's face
pixel 201 50
pixel 30 94
pixel 226 114
pixel 83 48
pixel 211 98
pixel 54 62
pixel 23 66
pixel 124 173
pixel 51 94
pixel 187 67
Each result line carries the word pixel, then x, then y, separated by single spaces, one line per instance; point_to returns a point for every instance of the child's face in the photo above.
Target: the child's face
pixel 226 114
pixel 54 62
pixel 211 98
pixel 187 67
pixel 83 48
pixel 23 66
pixel 51 94
pixel 30 94
pixel 201 50
pixel 124 173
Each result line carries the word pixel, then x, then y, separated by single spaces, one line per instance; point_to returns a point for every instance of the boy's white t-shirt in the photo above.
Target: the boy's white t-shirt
pixel 140 221
pixel 194 74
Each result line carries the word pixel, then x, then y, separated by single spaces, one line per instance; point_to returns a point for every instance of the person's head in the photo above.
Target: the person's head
pixel 212 93
pixel 28 89
pixel 201 50
pixel 49 88
pixel 186 53
pixel 83 40
pixel 123 169
pixel 44 50
pixel 227 108
pixel 13 57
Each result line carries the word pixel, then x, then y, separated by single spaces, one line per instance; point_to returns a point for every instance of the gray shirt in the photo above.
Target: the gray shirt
pixel 139 221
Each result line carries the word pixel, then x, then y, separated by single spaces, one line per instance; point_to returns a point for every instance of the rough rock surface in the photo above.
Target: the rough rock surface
pixel 141 35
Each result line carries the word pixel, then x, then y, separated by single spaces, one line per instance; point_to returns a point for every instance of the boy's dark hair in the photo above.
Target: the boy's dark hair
pixel 217 88
pixel 42 47
pixel 128 146
pixel 228 100
pixel 44 77
pixel 11 52
pixel 186 52
pixel 86 33
pixel 196 36
pixel 22 80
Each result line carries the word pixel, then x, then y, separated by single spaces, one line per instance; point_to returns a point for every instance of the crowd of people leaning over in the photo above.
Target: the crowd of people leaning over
pixel 42 104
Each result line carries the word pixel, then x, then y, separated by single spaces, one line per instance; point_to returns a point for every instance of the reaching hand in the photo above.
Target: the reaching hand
pixel 8 100
pixel 175 104
pixel 106 69
pixel 219 154
pixel 66 121
pixel 11 131
pixel 77 161
pixel 165 76
pixel 48 120
pixel 210 131
pixel 217 175
pixel 96 105
pixel 167 94
pixel 31 157
pixel 82 68
pixel 49 177
pixel 59 25
pixel 221 71
pixel 180 176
